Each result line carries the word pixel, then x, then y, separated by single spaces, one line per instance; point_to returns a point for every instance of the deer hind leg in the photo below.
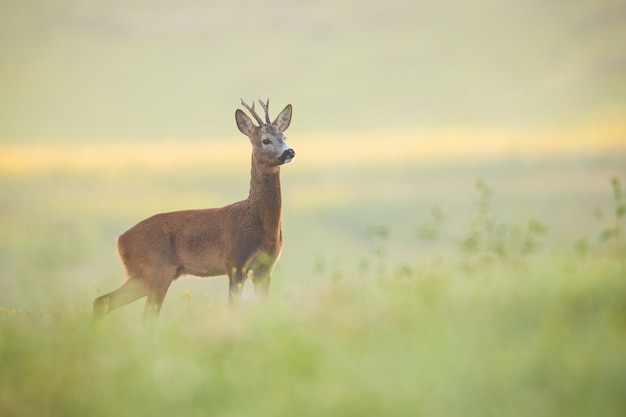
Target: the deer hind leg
pixel 156 294
pixel 133 289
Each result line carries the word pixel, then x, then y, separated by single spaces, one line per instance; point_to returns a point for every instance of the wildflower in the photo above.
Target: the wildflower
pixel 186 294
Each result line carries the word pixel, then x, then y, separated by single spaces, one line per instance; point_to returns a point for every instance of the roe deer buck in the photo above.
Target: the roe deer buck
pixel 242 240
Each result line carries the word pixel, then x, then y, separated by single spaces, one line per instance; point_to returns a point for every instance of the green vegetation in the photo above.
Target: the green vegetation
pixel 451 306
pixel 549 342
pixel 454 223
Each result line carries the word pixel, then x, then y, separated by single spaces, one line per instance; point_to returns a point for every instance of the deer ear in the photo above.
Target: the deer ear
pixel 284 119
pixel 243 122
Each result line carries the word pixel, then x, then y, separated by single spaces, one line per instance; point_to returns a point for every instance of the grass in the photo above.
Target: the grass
pixel 402 290
pixel 548 342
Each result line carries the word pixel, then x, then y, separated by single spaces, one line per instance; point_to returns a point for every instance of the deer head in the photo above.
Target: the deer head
pixel 267 139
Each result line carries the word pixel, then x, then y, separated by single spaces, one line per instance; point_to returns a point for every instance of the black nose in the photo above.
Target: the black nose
pixel 288 154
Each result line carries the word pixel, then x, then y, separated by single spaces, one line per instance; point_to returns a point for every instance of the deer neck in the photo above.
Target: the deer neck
pixel 265 198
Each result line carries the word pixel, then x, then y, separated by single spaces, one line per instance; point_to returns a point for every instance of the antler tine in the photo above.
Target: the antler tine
pixel 266 107
pixel 252 112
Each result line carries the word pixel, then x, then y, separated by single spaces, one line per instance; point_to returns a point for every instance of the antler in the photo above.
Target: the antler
pixel 266 106
pixel 253 113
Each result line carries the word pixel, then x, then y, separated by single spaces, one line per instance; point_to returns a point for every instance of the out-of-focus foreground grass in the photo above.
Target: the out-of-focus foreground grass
pixel 546 341
pixel 403 289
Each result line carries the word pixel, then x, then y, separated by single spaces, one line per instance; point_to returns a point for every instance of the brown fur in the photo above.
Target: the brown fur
pixel 240 240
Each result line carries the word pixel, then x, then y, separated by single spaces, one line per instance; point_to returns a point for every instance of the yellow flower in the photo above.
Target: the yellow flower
pixel 186 294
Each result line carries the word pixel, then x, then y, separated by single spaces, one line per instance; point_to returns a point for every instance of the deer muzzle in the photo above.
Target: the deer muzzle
pixel 287 156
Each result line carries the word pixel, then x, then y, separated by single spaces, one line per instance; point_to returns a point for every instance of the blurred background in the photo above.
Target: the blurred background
pixel 87 70
pixel 111 111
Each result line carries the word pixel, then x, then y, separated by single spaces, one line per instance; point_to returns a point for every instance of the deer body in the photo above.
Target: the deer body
pixel 242 240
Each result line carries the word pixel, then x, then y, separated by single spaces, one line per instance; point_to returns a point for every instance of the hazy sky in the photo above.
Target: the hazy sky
pixel 157 70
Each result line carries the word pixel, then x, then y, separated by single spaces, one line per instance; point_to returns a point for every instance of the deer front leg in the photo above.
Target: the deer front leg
pixel 236 280
pixel 261 284
pixel 260 272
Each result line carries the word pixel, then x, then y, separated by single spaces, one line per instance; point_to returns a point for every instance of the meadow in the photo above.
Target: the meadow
pixel 484 285
pixel 453 221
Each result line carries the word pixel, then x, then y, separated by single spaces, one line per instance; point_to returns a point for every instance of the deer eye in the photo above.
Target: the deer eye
pixel 266 141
